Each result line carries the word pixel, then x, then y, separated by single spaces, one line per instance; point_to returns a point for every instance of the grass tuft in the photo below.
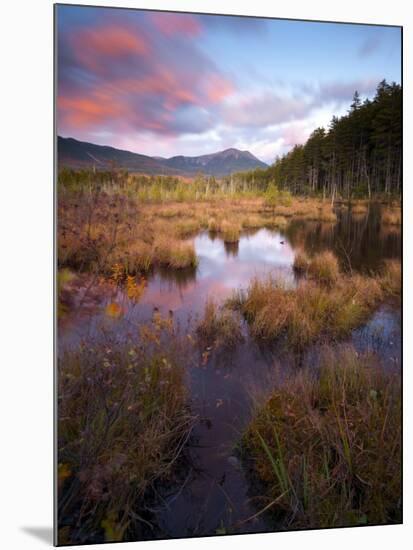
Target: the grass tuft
pixel 324 268
pixel 219 327
pixel 169 252
pixel 230 232
pixel 301 262
pixel 310 312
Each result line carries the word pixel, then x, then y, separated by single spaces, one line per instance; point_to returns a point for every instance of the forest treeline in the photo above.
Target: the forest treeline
pixel 359 155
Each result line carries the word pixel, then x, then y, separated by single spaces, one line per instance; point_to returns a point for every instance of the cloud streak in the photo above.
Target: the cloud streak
pixel 129 75
pixel 166 83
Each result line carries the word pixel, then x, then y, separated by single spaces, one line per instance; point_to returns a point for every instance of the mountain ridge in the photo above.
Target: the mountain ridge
pixel 73 153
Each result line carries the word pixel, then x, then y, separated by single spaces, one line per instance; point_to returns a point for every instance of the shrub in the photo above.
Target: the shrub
pixel 272 196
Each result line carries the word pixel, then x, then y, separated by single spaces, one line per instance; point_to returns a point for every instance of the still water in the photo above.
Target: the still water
pixel 214 495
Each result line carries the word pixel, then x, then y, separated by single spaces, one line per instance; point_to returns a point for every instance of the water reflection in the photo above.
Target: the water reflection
pixel 232 248
pixel 358 239
pixel 361 242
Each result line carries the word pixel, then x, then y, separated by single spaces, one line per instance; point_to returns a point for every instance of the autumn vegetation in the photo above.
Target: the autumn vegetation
pixel 124 422
pixel 327 444
pixel 326 305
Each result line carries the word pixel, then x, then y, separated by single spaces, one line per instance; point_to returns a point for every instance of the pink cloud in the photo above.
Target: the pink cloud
pixel 218 88
pixel 294 135
pixel 94 48
pixel 123 75
pixel 170 24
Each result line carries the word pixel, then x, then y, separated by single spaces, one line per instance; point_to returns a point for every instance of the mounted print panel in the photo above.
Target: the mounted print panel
pixel 228 274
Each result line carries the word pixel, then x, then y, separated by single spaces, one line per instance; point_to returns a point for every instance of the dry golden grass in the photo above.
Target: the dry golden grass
pixel 230 232
pixel 324 268
pixel 173 253
pixel 213 225
pixel 391 278
pixel 301 262
pixel 136 258
pixel 187 227
pixel 277 222
pixel 312 311
pixel 253 222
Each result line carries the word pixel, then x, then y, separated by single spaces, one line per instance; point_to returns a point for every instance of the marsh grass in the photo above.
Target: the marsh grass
pixel 324 268
pixel 175 254
pixel 312 311
pixel 187 228
pixel 253 222
pixel 123 425
pixel 301 262
pixel 276 222
pixel 391 278
pixel 137 257
pixel 213 225
pixel 230 232
pixel 219 328
pixel 327 445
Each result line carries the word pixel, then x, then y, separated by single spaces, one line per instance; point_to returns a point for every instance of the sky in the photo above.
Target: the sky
pixel 165 84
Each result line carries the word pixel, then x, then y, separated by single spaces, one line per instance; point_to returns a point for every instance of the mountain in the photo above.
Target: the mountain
pixel 80 154
pixel 217 164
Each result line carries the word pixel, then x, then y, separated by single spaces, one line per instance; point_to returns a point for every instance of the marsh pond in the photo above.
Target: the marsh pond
pixel 213 488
